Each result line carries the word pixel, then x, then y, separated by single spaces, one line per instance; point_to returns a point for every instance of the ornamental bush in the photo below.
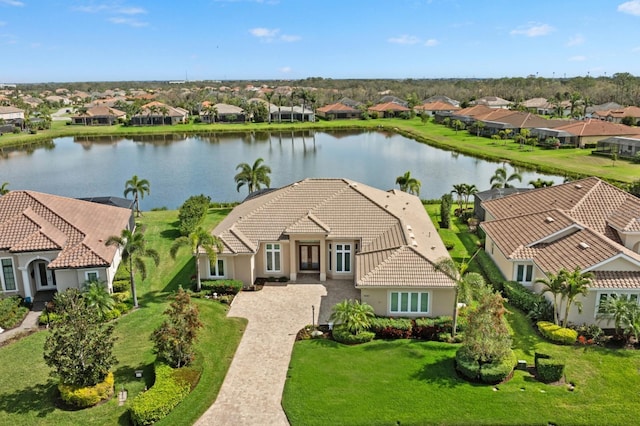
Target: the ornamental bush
pixel 222 286
pixel 431 328
pixel 11 311
pixel 492 372
pixel 192 212
pixel 557 334
pixel 82 397
pixel 167 392
pixel 343 335
pixel 391 328
pixel 536 306
pixel 121 297
pixel 122 285
pixel 549 370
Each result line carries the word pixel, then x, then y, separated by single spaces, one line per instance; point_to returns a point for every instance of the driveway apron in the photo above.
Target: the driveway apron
pixel 252 390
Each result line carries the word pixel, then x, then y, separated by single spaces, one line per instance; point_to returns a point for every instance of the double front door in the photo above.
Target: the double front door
pixel 309 257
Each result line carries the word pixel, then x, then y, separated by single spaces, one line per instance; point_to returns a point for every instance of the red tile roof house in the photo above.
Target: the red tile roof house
pixel 338 111
pixel 380 243
pixel 99 116
pixel 388 110
pixel 587 223
pixel 49 242
pixel 432 108
pixel 585 133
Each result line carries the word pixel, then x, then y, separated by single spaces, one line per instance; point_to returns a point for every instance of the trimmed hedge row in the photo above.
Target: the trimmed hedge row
pixel 406 328
pixel 82 397
pixel 391 328
pixel 342 335
pixel 156 403
pixel 494 372
pixel 549 370
pixel 492 274
pixel 536 306
pixel 222 286
pixel 555 333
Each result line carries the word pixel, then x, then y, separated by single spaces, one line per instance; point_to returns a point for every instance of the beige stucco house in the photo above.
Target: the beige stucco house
pixel 382 243
pixel 587 223
pixel 49 242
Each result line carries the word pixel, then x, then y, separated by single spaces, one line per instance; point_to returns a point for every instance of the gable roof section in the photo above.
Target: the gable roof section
pixel 33 221
pixel 592 127
pixel 337 108
pixel 389 106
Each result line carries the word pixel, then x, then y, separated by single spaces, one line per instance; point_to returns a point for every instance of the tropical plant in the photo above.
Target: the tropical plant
pixel 253 176
pixel 459 190
pixel 408 183
pixel 196 240
pixel 467 284
pixel 468 191
pixel 137 187
pixel 576 283
pixel 479 125
pixel 554 284
pixel 97 297
pixel 353 315
pixel 620 309
pixel 457 125
pixel 4 188
pixel 540 183
pixel 133 247
pixel 173 340
pixel 501 178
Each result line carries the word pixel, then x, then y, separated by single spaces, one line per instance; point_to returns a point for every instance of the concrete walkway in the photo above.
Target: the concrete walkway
pixel 29 323
pixel 252 390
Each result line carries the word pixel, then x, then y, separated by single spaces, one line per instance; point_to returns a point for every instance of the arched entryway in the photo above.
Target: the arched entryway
pixel 42 277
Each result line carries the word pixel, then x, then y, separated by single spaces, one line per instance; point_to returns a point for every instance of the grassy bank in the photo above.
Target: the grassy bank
pixel 574 163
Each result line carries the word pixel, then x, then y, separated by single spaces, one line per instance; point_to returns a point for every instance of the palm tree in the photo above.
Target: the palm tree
pixel 459 190
pixel 253 176
pixel 196 240
pixel 540 183
pixel 164 111
pixel 479 125
pixel 4 188
pixel 576 283
pixel 500 179
pixel 467 283
pixel 457 125
pixel 353 315
pixel 409 184
pixel 83 112
pixel 469 190
pixel 97 297
pixel 554 284
pixel 138 187
pixel 268 95
pixel 133 247
pixel 620 308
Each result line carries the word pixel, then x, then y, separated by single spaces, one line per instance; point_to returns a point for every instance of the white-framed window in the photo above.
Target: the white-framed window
pixel 91 276
pixel 330 257
pixel 272 251
pixel 8 274
pixel 604 296
pixel 343 257
pixel 524 273
pixel 217 268
pixel 407 302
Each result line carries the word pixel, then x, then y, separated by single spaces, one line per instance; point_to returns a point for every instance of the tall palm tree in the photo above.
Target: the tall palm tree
pixel 196 240
pixel 133 247
pixel 459 190
pixel 469 190
pixel 4 188
pixel 409 184
pixel 467 283
pixel 268 95
pixel 164 111
pixel 540 183
pixel 137 187
pixel 501 179
pixel 253 176
pixel 554 284
pixel 576 283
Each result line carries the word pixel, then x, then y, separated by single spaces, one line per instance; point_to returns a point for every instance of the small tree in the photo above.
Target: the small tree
pixel 79 347
pixel 445 211
pixel 614 158
pixel 353 315
pixel 576 283
pixel 196 240
pixel 173 340
pixel 554 284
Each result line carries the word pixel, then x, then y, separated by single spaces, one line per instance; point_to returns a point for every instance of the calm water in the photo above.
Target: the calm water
pixel 179 166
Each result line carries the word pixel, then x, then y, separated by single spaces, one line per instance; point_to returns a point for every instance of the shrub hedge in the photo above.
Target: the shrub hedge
pixel 192 212
pixel 555 333
pixel 121 297
pixel 536 306
pixel 432 328
pixel 391 328
pixel 154 404
pixel 121 285
pixel 82 397
pixel 222 286
pixel 342 335
pixel 492 274
pixel 53 317
pixel 549 370
pixel 494 372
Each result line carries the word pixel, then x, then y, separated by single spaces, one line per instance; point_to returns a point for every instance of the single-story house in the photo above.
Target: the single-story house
pixel 380 243
pixel 99 116
pixel 338 111
pixel 466 115
pixel 621 146
pixel 617 115
pixel 388 109
pixel 582 133
pixel 296 113
pixel 48 242
pixel 493 102
pixel 542 106
pixel 222 113
pixel 442 98
pixel 588 224
pixel 11 114
pixel 156 113
pixel 431 108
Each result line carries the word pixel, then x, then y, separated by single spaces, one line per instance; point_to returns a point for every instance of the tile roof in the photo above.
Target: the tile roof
pixel 630 111
pixel 33 221
pixel 388 106
pixel 621 280
pixel 437 106
pixel 337 107
pixel 340 209
pixel 102 111
pixel 474 111
pixel 592 127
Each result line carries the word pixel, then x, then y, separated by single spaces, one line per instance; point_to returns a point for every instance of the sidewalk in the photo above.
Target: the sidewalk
pixel 30 322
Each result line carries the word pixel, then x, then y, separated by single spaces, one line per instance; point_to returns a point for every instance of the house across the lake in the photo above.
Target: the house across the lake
pixel 48 242
pixel 381 243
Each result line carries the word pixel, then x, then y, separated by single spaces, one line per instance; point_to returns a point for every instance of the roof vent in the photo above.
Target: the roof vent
pixel 295 184
pixel 413 237
pixel 353 184
pixel 578 186
pixel 583 245
pixel 409 228
pixel 549 219
pixel 414 243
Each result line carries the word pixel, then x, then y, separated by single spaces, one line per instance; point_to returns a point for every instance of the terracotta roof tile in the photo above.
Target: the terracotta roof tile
pixel 616 280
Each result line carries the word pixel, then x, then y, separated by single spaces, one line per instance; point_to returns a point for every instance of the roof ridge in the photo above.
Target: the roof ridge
pixel 393 252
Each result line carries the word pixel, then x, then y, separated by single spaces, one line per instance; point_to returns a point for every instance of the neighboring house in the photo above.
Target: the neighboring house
pixel 493 102
pixel 583 133
pixel 491 194
pixel 394 99
pixel 99 116
pixel 230 113
pixel 441 98
pixel 432 108
pixel 603 107
pixel 383 243
pixel 502 119
pixel 621 146
pixel 588 224
pixel 156 114
pixel 296 113
pixel 11 114
pixel 388 110
pixel 338 111
pixel 48 242
pixel 465 115
pixel 617 115
pixel 542 106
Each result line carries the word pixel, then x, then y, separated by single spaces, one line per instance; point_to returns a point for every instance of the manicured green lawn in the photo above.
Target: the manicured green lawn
pixel 27 392
pixel 413 382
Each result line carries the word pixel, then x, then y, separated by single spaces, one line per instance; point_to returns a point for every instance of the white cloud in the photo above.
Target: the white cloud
pixel 264 33
pixel 285 70
pixel 636 49
pixel 12 3
pixel 576 40
pixel 404 39
pixel 130 10
pixel 128 21
pixel 578 58
pixel 289 38
pixel 534 30
pixel 110 8
pixel 431 42
pixel 35 45
pixel 631 7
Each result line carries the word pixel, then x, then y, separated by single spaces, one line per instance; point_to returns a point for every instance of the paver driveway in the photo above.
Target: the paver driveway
pixel 252 390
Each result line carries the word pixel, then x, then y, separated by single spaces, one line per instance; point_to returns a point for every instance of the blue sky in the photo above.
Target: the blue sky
pixel 112 40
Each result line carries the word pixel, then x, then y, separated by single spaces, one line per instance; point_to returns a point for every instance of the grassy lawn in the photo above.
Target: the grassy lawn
pixel 571 162
pixel 330 383
pixel 27 392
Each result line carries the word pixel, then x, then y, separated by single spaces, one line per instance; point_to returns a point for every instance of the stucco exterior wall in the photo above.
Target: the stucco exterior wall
pixel 440 301
pixel 261 258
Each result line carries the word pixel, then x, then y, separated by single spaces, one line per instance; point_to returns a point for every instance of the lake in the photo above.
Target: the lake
pixel 178 166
